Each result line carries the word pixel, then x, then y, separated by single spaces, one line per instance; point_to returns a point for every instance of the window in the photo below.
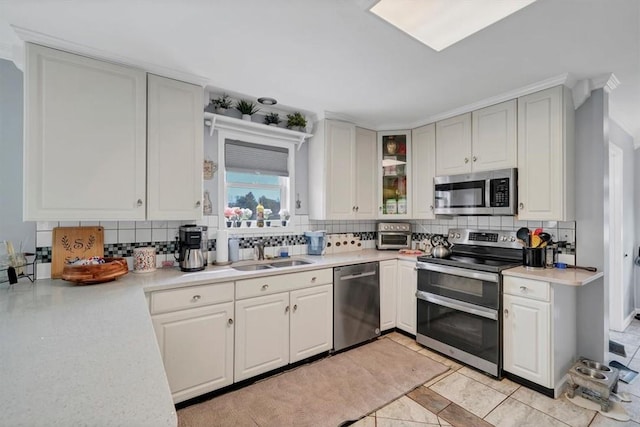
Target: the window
pixel 257 173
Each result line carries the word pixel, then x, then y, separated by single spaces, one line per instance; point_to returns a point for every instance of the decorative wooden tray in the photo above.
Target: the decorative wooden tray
pixel 99 273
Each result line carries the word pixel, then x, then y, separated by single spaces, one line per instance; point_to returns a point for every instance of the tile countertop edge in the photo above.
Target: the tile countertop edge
pixel 569 277
pixel 88 354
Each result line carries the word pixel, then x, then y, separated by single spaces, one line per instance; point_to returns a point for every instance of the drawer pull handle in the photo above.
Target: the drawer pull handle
pixel 313 279
pixel 230 321
pixel 295 307
pixel 286 309
pixel 523 289
pixel 265 287
pixel 506 313
pixel 139 202
pixel 196 297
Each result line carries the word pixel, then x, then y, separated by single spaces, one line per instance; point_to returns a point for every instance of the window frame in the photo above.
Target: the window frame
pixel 286 199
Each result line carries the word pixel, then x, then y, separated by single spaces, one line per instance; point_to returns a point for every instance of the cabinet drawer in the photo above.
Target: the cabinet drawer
pixel 527 288
pixel 281 283
pixel 192 296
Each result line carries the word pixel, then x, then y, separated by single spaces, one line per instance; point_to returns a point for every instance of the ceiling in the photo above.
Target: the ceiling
pixel 335 58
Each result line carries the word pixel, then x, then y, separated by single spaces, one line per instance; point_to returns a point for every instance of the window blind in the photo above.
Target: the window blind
pixel 240 156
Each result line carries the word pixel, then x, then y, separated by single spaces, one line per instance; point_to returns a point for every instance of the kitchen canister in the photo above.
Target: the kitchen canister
pixel 234 250
pixel 144 260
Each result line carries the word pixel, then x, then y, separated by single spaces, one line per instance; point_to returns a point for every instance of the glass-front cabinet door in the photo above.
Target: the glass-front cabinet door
pixel 394 157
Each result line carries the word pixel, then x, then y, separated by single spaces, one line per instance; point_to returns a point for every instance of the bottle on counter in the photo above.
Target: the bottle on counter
pixel 260 215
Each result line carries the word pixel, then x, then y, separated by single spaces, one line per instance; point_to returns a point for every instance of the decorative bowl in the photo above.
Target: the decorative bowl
pixel 99 273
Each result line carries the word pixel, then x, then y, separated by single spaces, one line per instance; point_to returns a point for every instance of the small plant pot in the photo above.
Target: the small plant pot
pixel 220 110
pixel 246 117
pixel 229 224
pixel 284 222
pixel 248 223
pixel 267 223
pixel 237 224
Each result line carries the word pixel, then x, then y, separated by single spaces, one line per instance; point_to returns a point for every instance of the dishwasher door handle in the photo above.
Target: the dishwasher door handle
pixel 358 275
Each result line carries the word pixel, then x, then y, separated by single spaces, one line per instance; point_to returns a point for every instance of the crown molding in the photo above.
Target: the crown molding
pixel 581 91
pixel 607 82
pixel 32 36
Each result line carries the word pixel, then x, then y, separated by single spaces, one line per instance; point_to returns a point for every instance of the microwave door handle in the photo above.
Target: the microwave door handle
pixel 458 305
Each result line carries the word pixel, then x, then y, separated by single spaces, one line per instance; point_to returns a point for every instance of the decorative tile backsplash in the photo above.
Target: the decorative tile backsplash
pixel 121 237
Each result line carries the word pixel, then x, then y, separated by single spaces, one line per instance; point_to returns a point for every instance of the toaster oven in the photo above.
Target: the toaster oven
pixel 393 235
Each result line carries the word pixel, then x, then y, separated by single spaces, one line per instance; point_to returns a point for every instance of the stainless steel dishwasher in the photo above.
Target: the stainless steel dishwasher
pixel 356 304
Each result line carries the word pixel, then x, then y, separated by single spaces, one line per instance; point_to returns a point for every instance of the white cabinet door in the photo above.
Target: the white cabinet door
pixel 85 138
pixel 545 156
pixel 453 145
pixel 311 322
pixel 407 306
pixel 262 335
pixel 366 174
pixel 174 149
pixel 423 150
pixel 494 135
pixel 340 138
pixel 527 339
pixel 388 294
pixel 197 349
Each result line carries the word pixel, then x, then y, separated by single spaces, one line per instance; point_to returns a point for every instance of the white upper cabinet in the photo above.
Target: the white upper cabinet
pixel 85 139
pixel 423 144
pixel 341 172
pixel 479 141
pixel 453 145
pixel 546 155
pixel 493 136
pixel 174 149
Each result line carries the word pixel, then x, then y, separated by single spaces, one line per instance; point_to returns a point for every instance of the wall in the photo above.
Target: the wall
pixel 591 244
pixel 622 139
pixel 22 234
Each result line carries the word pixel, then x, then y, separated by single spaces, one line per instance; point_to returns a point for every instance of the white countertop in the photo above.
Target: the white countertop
pixel 569 276
pixel 87 355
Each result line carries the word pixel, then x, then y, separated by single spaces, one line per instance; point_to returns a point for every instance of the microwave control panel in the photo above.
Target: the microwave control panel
pixel 499 190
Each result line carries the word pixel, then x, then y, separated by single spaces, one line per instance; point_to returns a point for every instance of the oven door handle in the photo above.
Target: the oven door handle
pixel 462 272
pixel 458 305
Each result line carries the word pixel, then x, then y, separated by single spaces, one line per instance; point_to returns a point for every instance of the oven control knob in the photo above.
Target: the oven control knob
pixel 457 235
pixel 503 238
pixel 512 239
pixel 451 235
pixel 385 227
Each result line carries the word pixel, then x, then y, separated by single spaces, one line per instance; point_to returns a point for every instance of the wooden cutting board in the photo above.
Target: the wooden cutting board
pixel 74 242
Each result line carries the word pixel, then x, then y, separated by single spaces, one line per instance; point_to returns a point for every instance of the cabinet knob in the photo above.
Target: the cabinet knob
pixel 295 307
pixel 353 208
pixel 521 205
pixel 230 321
pixel 139 202
pixel 198 204
pixel 196 297
pixel 466 160
pixel 357 208
pixel 286 309
pixel 523 289
pixel 313 279
pixel 431 207
pixel 265 287
pixel 506 313
pixel 475 158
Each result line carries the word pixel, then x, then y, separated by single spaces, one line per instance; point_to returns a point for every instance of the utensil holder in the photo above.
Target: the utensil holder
pixel 534 258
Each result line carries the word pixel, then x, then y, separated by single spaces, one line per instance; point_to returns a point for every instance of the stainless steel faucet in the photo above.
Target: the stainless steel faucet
pixel 260 249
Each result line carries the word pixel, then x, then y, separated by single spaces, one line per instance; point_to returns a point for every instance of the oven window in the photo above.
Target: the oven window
pixel 393 239
pixel 474 291
pixel 469 194
pixel 470 333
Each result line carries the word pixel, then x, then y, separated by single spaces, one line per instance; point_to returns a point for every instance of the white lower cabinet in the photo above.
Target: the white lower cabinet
pixel 281 320
pixel 527 351
pixel 388 294
pixel 196 344
pixel 406 309
pixel 539 324
pixel 262 335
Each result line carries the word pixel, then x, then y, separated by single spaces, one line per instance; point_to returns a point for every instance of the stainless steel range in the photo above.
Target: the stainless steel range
pixel 460 297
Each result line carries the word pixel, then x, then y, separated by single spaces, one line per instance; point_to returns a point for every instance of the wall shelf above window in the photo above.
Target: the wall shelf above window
pixel 217 121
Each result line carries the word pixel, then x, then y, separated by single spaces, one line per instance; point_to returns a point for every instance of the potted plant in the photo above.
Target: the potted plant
pixel 272 119
pixel 296 121
pixel 246 215
pixel 247 109
pixel 222 103
pixel 267 213
pixel 284 216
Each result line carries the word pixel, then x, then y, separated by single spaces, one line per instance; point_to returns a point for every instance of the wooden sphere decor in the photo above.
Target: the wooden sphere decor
pixel 99 273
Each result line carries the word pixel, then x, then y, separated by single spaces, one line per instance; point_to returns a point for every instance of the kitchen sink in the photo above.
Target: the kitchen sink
pixel 275 264
pixel 252 267
pixel 289 263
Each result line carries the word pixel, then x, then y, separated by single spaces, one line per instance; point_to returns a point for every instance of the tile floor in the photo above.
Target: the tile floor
pixel 465 397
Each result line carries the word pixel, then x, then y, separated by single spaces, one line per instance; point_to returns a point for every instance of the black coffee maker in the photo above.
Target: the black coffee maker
pixel 190 256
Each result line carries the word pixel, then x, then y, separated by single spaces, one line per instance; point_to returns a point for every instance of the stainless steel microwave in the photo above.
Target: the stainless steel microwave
pixel 479 193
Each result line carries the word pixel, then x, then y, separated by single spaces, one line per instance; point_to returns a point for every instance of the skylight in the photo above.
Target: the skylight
pixel 441 23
